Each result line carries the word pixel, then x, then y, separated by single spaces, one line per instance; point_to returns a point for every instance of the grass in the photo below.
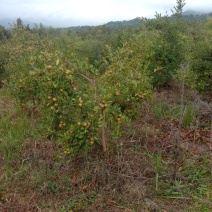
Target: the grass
pixel 134 176
pixel 164 110
pixel 15 127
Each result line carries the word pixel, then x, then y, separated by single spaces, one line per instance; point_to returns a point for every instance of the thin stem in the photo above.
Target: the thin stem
pixel 104 145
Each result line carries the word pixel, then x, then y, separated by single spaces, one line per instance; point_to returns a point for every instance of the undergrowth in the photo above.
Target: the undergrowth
pixel 154 166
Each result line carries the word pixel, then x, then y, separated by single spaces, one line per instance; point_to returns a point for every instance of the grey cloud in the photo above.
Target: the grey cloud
pixel 92 12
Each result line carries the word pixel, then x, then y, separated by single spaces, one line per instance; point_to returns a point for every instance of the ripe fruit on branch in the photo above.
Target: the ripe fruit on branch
pixel 103 105
pixel 91 140
pixel 68 72
pixel 117 93
pixel 52 108
pixel 49 68
pixel 84 124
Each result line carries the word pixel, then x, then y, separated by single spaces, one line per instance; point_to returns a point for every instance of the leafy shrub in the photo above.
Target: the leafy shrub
pixel 75 103
pixel 4 54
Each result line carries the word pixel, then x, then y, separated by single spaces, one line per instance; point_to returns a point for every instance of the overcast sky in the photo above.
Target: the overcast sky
pixel 66 13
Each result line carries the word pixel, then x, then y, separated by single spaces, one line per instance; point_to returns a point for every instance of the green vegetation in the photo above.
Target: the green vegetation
pixel 92 117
